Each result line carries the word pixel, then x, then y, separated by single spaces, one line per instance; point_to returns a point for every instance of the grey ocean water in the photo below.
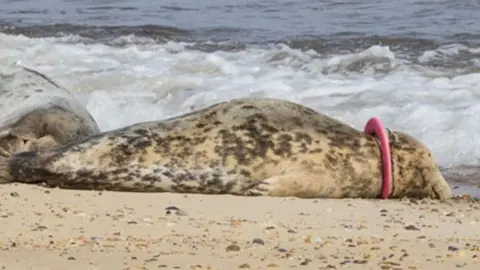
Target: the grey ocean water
pixel 410 26
pixel 415 63
pixel 410 23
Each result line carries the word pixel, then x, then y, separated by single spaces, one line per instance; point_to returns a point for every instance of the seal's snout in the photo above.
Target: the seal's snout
pixel 441 188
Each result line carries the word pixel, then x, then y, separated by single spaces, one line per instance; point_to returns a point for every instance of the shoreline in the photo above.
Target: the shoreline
pixel 59 229
pixel 462 189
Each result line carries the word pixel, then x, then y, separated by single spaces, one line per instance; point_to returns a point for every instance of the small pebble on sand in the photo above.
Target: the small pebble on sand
pixel 411 228
pixel 232 247
pixel 258 241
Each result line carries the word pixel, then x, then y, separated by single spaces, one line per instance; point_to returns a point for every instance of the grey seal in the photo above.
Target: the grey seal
pixel 36 113
pixel 249 146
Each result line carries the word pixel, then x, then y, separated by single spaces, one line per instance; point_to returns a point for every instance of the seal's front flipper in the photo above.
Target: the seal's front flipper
pixel 301 184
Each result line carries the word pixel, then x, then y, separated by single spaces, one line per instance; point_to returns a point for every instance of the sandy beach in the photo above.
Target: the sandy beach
pixel 46 228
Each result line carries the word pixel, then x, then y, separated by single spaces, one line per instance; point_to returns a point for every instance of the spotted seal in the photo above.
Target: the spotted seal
pixel 249 146
pixel 36 113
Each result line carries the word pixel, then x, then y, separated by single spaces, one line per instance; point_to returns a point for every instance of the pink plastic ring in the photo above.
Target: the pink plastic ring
pixel 375 127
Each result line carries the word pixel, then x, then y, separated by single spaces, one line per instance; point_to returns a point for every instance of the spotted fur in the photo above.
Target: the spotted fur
pixel 251 146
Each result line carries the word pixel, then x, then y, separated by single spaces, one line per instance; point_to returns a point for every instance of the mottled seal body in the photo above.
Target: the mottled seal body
pixel 36 113
pixel 251 146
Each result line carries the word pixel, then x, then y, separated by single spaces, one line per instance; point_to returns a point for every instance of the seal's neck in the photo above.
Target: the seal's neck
pixel 375 127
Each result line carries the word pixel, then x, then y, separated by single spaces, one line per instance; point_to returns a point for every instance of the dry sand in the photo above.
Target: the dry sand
pixel 69 229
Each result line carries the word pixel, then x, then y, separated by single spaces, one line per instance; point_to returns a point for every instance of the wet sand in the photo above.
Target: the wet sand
pixel 69 229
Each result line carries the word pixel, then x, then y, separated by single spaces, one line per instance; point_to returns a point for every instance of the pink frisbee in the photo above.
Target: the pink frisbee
pixel 375 127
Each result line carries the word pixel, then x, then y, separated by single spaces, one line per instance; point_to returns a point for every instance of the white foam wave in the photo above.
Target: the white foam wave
pixel 448 51
pixel 461 59
pixel 148 81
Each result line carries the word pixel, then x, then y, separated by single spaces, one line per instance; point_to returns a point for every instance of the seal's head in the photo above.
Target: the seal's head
pixel 414 169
